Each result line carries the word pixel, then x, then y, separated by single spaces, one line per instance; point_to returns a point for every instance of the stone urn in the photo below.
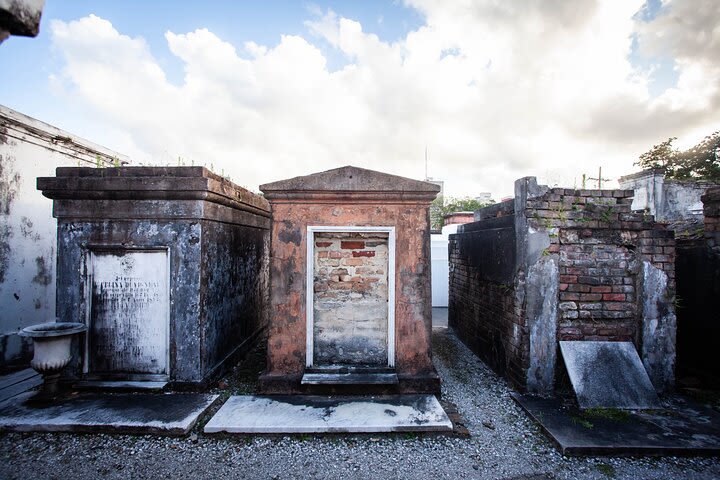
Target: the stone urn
pixel 51 343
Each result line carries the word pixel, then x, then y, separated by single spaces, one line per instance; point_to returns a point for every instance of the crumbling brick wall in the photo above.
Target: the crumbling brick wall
pixel 350 298
pixel 600 243
pixel 584 267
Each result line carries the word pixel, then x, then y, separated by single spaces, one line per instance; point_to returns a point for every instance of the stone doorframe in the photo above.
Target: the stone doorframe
pixel 309 291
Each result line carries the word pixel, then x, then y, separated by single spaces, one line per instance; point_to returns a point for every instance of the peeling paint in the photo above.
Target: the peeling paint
pixel 541 307
pixel 659 327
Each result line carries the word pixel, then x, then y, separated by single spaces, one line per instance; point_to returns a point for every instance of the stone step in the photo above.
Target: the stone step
pixel 350 379
pixel 119 385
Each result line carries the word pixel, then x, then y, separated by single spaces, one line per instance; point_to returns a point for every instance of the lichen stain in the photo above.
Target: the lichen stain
pixel 44 275
pixel 26 229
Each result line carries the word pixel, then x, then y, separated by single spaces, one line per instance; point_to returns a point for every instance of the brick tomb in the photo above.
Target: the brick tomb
pixel 350 284
pixel 559 264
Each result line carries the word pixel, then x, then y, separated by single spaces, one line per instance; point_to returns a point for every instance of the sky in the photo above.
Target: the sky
pixel 262 91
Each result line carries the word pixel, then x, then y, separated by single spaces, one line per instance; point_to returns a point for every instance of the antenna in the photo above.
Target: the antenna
pixel 426 176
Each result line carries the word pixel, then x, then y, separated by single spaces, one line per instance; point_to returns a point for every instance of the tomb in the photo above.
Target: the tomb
pixel 350 284
pixel 166 266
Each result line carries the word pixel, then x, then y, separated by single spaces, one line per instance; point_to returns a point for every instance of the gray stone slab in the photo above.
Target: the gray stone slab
pixel 350 379
pixel 684 428
pixel 163 414
pixel 608 375
pixel 316 414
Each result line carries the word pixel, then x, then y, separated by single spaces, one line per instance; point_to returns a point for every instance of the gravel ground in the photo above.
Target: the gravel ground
pixel 503 444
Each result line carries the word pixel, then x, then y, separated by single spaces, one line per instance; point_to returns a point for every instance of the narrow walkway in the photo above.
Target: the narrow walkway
pixel 439 317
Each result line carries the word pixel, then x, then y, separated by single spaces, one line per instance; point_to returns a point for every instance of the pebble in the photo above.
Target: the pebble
pixel 514 449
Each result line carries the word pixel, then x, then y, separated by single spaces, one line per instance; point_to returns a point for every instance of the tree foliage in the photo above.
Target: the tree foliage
pixel 700 162
pixel 442 206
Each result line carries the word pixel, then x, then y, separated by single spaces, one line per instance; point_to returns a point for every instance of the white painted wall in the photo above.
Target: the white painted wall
pixel 440 266
pixel 667 200
pixel 29 149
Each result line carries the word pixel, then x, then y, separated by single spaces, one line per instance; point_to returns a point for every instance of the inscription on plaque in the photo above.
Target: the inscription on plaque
pixel 129 308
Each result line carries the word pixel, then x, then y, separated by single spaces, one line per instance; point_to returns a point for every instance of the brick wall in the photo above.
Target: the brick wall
pixel 350 298
pixel 482 306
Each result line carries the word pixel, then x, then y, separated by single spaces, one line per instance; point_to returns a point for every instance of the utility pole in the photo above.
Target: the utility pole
pixel 599 179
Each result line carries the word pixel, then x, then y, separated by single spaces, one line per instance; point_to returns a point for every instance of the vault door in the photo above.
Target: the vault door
pixel 350 299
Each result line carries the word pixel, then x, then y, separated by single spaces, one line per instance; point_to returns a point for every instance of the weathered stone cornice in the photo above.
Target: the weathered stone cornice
pixel 148 184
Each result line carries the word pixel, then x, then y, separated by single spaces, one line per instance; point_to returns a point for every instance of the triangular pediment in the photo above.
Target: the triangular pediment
pixel 350 179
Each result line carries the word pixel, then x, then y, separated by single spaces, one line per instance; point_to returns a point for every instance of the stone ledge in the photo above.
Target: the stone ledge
pixel 291 384
pixel 150 183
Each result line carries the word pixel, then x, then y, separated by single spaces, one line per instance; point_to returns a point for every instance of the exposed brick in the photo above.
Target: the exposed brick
pixel 323 244
pixel 572 297
pixel 352 245
pixel 363 253
pixel 579 288
pixel 352 262
pixel 617 297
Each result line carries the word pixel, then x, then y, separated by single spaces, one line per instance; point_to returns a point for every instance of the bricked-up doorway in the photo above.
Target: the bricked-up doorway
pixel 350 298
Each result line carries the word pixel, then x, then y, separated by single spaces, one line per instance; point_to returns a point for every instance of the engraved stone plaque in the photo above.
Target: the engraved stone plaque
pixel 129 312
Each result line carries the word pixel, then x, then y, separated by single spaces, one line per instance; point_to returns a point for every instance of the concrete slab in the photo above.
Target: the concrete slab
pixel 608 375
pixel 316 414
pixel 168 414
pixel 684 428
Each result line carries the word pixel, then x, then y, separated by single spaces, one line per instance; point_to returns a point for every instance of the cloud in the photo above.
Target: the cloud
pixel 495 90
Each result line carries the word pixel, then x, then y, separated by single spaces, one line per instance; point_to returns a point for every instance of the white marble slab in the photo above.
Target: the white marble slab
pixel 608 375
pixel 130 312
pixel 317 414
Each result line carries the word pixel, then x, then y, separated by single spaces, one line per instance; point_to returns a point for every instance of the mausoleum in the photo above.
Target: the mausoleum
pixel 350 284
pixel 167 267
